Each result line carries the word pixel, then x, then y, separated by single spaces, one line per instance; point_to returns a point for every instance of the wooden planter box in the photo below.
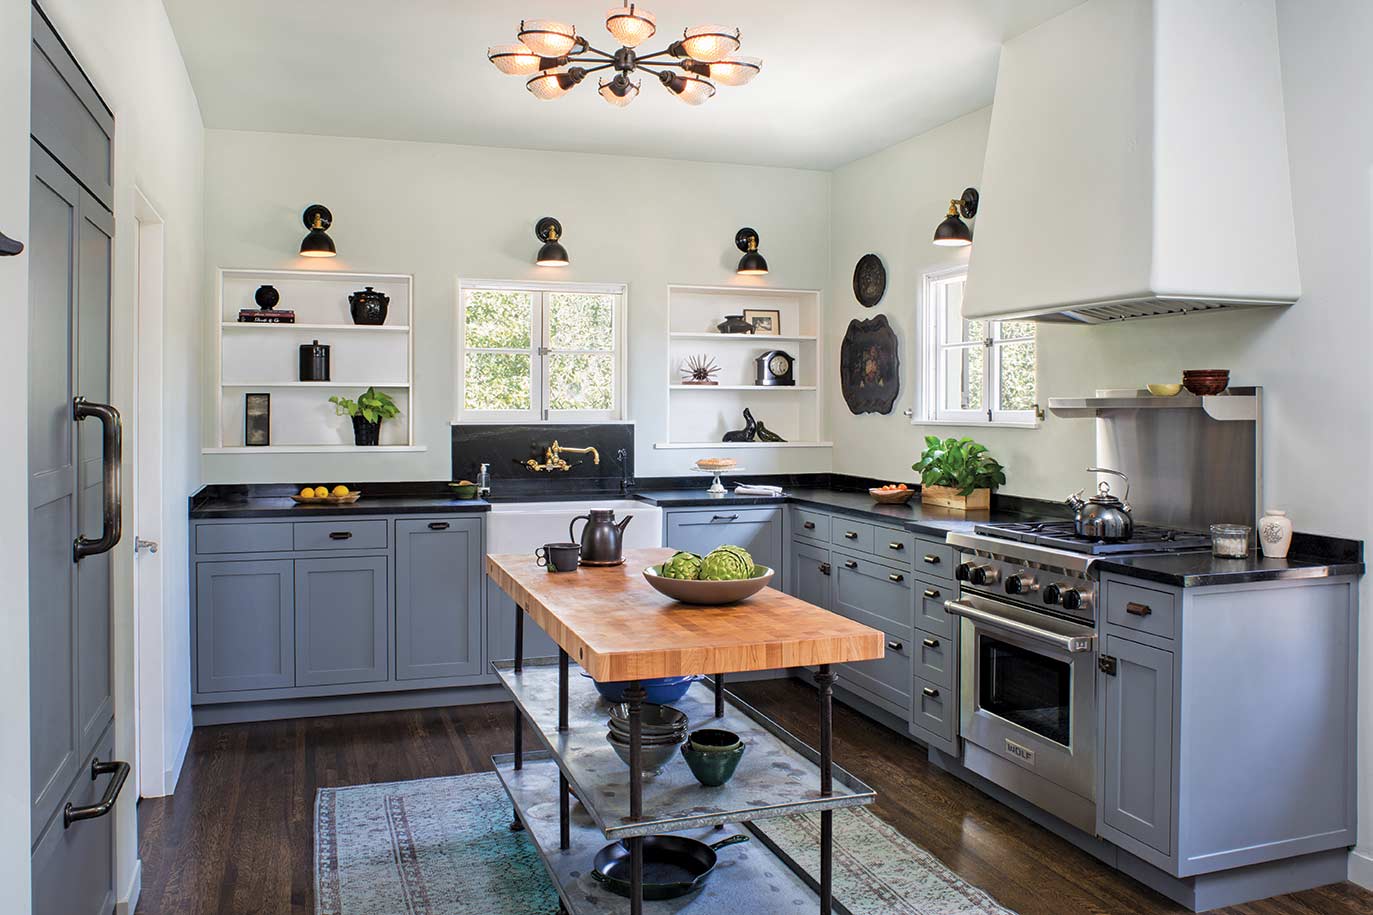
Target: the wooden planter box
pixel 949 497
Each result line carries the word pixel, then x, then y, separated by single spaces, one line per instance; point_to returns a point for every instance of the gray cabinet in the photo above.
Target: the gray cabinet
pixel 874 594
pixel 809 566
pixel 1137 729
pixel 341 620
pixel 245 625
pixel 439 581
pixel 758 530
pixel 935 648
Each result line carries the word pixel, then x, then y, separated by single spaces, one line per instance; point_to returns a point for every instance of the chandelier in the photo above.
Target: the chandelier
pixel 552 55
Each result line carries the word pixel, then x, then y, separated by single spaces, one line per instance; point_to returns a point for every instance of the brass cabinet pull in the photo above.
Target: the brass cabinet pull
pixel 896 576
pixel 931 692
pixel 1135 609
pixel 930 643
pixel 932 594
pixel 932 559
pixel 850 564
pixel 896 545
pixel 852 535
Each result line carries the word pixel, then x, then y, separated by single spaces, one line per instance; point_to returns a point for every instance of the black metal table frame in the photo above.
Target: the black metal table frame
pixel 634 698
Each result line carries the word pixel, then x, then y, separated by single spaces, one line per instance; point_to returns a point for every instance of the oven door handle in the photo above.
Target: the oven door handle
pixel 1069 643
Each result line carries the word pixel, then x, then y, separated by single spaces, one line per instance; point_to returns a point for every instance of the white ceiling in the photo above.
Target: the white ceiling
pixel 839 81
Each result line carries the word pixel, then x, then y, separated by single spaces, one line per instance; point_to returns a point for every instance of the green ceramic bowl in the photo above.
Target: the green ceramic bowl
pixel 712 769
pixel 463 491
pixel 714 740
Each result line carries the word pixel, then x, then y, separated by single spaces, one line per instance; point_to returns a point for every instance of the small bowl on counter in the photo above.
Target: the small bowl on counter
pixel 463 490
pixel 1204 382
pixel 709 593
pixel 899 495
pixel 1165 390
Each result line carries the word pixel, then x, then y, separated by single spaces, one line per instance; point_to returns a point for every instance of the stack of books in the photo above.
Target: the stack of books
pixel 265 316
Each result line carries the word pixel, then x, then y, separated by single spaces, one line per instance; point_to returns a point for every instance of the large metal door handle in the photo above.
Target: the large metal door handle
pixel 724 517
pixel 438 525
pixel 1069 643
pixel 111 451
pixel 120 771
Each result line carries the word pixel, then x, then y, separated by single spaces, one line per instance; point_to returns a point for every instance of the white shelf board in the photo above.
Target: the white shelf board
pixel 394 328
pixel 312 449
pixel 743 387
pixel 714 445
pixel 315 384
pixel 751 338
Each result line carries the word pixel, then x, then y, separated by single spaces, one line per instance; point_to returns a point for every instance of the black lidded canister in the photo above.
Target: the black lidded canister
pixel 314 361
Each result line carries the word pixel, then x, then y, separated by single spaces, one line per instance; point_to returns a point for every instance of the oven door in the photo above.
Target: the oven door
pixel 1027 690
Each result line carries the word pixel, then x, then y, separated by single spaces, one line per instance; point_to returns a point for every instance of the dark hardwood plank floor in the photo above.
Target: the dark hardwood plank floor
pixel 237 837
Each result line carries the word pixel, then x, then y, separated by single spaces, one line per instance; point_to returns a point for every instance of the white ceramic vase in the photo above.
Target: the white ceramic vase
pixel 1275 533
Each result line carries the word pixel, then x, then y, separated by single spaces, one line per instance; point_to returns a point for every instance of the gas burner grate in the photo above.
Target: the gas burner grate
pixel 1061 535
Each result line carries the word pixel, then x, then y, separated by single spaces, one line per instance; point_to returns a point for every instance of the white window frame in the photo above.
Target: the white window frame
pixel 538 351
pixel 934 350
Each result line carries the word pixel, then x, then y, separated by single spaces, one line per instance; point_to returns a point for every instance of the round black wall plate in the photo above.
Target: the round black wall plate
pixel 545 228
pixel 741 238
pixel 325 217
pixel 869 280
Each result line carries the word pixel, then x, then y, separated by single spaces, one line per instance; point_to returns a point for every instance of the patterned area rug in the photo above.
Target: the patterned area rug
pixel 442 846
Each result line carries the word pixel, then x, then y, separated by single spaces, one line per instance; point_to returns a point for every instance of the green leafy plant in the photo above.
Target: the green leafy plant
pixel 372 405
pixel 960 463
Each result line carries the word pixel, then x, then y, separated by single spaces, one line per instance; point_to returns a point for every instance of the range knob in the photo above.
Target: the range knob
pixel 1071 599
pixel 983 575
pixel 964 572
pixel 1053 593
pixel 1020 584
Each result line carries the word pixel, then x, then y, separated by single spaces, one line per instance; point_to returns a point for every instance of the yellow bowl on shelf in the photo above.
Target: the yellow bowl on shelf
pixel 1165 390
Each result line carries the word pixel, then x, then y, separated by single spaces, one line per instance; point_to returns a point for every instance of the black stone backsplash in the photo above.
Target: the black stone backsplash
pixel 506 447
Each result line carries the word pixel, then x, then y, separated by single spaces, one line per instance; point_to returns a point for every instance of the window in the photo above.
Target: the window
pixel 540 352
pixel 973 371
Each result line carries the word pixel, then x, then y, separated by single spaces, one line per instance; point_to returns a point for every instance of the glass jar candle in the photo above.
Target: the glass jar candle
pixel 1230 541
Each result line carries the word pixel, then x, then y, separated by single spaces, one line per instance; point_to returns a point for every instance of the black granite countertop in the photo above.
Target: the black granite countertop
pixel 1199 570
pixel 273 500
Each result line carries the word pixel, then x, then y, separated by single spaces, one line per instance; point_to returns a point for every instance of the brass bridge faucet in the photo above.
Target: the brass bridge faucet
pixel 553 458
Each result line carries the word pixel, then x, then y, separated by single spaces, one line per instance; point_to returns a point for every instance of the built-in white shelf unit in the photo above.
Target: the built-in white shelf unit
pixel 699 415
pixel 265 358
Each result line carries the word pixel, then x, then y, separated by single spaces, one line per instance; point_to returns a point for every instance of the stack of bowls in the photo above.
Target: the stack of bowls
pixel 662 729
pixel 713 754
pixel 1206 381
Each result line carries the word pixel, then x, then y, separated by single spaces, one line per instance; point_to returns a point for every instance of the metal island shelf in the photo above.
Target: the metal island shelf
pixel 619 629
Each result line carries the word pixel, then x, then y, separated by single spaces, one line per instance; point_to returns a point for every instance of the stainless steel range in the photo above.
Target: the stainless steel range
pixel 1028 662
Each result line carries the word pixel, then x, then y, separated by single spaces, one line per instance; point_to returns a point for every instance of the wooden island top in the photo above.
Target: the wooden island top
pixel 614 625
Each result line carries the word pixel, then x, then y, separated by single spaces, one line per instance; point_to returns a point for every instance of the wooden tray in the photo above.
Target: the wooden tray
pixel 329 500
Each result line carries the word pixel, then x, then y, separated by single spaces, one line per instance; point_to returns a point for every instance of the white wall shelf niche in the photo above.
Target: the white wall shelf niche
pixel 252 358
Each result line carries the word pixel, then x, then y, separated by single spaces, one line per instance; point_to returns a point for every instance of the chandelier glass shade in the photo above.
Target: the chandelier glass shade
pixel 555 58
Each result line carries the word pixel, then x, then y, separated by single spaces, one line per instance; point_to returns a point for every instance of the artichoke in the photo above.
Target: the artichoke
pixel 727 563
pixel 682 565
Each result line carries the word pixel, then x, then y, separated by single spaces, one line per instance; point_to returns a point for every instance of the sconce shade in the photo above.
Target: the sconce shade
pixel 630 24
pixel 547 38
pixel 953 232
pixel 691 89
pixel 317 242
pixel 709 43
pixel 752 263
pixel 552 84
pixel 619 90
pixel 514 59
pixel 548 230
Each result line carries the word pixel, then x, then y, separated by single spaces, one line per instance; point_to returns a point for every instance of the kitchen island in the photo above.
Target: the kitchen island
pixel 617 628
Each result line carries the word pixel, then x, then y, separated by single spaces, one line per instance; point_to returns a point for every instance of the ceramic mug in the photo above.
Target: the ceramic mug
pixel 559 557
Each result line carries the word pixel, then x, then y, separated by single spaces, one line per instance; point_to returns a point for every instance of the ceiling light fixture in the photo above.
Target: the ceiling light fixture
pixel 548 230
pixel 317 243
pixel 954 232
pixel 752 263
pixel 556 58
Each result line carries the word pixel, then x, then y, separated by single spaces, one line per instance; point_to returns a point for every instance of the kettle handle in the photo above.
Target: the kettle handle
pixel 573 523
pixel 1115 473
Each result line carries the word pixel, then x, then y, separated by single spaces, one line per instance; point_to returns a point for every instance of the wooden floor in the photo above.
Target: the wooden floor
pixel 237 837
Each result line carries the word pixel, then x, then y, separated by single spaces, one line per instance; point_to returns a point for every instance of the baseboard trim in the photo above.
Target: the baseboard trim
pixel 278 709
pixel 173 773
pixel 129 903
pixel 1361 868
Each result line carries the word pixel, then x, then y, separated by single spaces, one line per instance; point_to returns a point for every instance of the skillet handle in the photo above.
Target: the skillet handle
pixel 599 877
pixel 732 840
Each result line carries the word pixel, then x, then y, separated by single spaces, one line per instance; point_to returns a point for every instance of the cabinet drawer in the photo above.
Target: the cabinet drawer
pixel 887 678
pixel 930 614
pixel 340 535
pixel 852 534
pixel 243 538
pixel 872 593
pixel 934 557
pixel 811 525
pixel 934 708
pixel 895 546
pixel 1144 609
pixel 934 658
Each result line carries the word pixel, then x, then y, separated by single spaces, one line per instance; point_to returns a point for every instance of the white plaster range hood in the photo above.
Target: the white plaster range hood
pixel 1136 166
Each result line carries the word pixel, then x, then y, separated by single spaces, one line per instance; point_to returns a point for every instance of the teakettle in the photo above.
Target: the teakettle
pixel 1103 517
pixel 602 538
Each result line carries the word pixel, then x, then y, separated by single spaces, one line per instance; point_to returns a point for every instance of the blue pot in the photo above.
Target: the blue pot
pixel 661 691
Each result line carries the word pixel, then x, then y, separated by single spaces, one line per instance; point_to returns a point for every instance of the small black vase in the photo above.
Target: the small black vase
pixel 365 433
pixel 266 297
pixel 369 306
pixel 734 324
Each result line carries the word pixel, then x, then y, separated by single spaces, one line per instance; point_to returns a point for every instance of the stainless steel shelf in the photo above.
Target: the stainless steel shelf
pixel 779 775
pixel 1236 404
pixel 749 877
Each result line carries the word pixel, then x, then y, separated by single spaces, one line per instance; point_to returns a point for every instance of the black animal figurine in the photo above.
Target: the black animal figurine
pixel 745 434
pixel 764 434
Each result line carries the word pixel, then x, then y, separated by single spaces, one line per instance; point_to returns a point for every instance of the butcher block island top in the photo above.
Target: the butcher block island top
pixel 613 623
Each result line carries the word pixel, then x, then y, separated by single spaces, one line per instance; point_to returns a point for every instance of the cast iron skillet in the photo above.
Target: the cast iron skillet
pixel 673 865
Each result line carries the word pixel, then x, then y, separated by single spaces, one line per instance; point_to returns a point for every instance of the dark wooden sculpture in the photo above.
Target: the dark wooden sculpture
pixel 745 434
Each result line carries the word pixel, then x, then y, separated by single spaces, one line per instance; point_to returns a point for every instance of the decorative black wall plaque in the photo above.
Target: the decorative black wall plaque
pixel 869 367
pixel 257 420
pixel 869 280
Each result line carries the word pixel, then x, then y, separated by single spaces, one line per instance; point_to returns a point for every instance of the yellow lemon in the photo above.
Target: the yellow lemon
pixel 321 492
pixel 340 491
pixel 307 493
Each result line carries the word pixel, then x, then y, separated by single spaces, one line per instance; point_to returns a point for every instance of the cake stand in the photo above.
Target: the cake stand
pixel 717 489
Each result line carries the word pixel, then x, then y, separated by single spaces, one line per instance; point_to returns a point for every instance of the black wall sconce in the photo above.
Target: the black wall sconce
pixel 317 243
pixel 9 246
pixel 752 263
pixel 954 232
pixel 548 230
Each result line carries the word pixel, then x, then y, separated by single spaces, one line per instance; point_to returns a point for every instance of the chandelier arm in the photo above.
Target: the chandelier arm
pixel 657 73
pixel 590 70
pixel 590 60
pixel 654 54
pixel 598 51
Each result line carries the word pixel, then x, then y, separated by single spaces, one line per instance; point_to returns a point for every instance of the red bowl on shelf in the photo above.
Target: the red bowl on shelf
pixel 1202 382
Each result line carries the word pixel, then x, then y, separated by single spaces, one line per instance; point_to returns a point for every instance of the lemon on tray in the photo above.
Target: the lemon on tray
pixel 321 492
pixel 307 493
pixel 340 491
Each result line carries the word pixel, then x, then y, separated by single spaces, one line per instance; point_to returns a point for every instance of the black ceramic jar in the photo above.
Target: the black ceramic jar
pixel 369 306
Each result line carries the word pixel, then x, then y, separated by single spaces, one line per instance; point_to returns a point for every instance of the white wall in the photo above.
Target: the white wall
pixel 441 212
pixel 14 511
pixel 1312 358
pixel 128 50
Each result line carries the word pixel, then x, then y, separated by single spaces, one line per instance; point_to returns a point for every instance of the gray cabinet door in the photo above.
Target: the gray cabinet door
pixel 1137 742
pixel 758 530
pixel 245 635
pixel 341 621
pixel 810 574
pixel 439 581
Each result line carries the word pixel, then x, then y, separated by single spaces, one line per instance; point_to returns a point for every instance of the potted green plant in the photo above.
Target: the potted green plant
pixel 371 407
pixel 958 473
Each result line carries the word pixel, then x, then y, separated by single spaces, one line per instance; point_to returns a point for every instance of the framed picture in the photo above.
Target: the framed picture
pixel 257 420
pixel 766 322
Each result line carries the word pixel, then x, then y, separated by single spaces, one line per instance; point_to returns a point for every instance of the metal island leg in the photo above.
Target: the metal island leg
pixel 515 824
pixel 719 695
pixel 564 802
pixel 824 680
pixel 634 698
